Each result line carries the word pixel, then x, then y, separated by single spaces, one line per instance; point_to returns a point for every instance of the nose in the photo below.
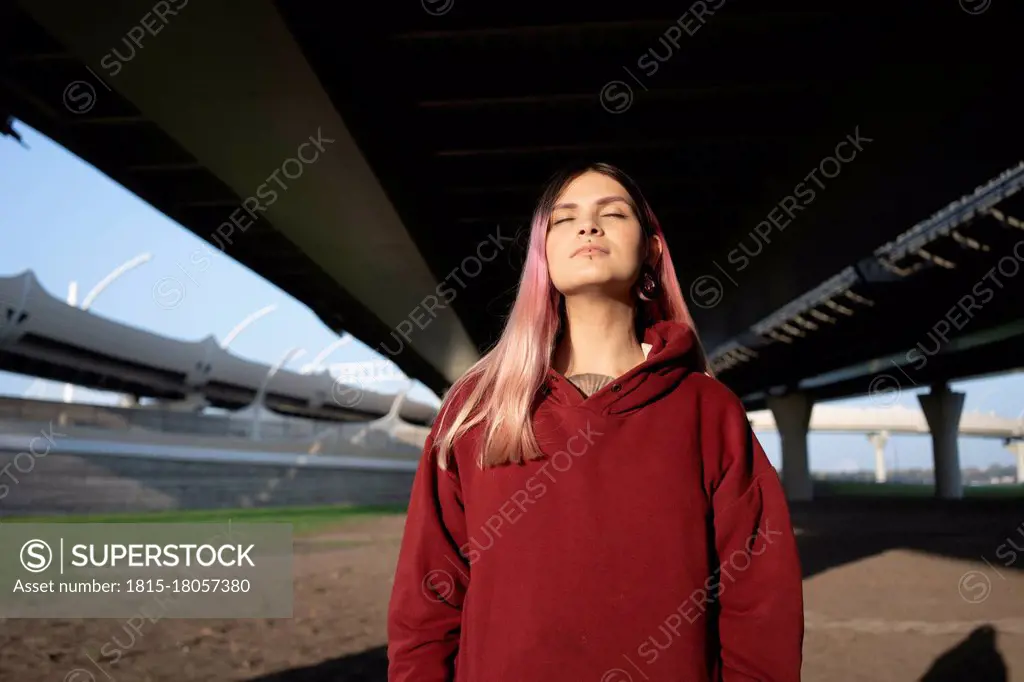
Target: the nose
pixel 590 229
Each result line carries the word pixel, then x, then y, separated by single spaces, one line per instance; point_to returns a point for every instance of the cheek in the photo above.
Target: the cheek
pixel 632 244
pixel 627 241
pixel 550 252
pixel 559 245
pixel 556 260
pixel 550 246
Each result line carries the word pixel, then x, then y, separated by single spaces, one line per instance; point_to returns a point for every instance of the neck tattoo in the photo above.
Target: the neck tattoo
pixel 590 383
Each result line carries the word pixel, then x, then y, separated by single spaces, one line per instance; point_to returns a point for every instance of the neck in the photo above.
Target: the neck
pixel 599 338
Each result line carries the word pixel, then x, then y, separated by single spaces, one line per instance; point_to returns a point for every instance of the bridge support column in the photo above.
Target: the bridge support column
pixel 879 439
pixel 792 414
pixel 942 409
pixel 1017 448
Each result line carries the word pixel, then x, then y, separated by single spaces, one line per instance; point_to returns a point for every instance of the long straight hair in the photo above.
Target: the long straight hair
pixel 502 386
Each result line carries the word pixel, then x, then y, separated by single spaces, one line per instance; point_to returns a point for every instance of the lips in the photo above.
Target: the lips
pixel 588 250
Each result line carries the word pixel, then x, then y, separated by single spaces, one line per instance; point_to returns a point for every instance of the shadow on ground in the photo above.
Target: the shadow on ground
pixel 368 666
pixel 976 659
pixel 833 532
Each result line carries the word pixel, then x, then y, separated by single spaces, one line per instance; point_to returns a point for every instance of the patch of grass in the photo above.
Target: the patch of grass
pixel 995 491
pixel 304 520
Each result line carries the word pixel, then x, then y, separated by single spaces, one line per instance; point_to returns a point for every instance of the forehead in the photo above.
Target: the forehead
pixel 589 187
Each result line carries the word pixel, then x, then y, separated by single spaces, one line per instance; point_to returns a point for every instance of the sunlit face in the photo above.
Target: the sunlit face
pixel 595 242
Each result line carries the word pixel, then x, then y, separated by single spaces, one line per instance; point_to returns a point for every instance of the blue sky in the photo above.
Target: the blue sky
pixel 65 220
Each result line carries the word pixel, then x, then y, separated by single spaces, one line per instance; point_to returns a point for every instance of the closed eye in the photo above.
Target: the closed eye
pixel 613 215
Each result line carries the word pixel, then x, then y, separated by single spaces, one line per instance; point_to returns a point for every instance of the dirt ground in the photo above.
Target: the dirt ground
pixel 894 592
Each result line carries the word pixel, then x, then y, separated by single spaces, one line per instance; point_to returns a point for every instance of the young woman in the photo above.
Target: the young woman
pixel 591 505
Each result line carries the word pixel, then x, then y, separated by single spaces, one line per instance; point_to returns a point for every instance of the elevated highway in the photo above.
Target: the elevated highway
pixel 896 419
pixel 879 423
pixel 443 126
pixel 940 302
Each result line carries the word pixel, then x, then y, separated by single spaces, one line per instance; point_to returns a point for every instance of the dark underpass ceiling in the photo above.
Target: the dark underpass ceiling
pixel 720 110
pixel 464 115
pixel 944 301
pixel 728 120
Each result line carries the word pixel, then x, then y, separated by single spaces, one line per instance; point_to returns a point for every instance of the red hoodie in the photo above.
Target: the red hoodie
pixel 652 543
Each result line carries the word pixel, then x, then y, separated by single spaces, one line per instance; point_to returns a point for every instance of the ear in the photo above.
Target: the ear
pixel 654 250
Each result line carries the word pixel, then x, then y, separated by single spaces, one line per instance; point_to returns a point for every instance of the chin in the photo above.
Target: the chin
pixel 611 287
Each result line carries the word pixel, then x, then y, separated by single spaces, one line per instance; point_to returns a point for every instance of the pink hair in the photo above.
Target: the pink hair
pixel 502 386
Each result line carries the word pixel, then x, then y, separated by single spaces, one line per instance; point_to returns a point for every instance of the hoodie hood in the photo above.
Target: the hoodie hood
pixel 674 353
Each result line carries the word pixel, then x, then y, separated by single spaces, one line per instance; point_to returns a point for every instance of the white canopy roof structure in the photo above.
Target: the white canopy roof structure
pixel 43 336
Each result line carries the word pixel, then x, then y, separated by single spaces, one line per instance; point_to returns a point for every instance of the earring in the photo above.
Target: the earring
pixel 649 288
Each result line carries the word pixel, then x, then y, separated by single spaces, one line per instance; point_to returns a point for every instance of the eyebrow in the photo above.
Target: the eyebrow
pixel 600 202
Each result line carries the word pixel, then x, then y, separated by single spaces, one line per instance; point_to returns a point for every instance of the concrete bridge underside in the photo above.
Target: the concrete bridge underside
pixel 442 128
pixel 234 99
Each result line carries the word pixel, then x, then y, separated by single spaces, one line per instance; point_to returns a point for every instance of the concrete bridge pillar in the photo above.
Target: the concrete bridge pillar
pixel 879 439
pixel 942 409
pixel 792 414
pixel 1017 448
